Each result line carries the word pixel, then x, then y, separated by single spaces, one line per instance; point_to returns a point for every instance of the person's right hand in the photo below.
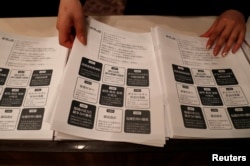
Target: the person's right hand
pixel 227 32
pixel 71 23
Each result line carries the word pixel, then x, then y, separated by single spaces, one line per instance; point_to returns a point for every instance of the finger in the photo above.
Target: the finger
pixel 81 31
pixel 66 37
pixel 79 24
pixel 208 33
pixel 210 30
pixel 229 43
pixel 222 39
pixel 66 42
pixel 215 35
pixel 236 38
pixel 239 41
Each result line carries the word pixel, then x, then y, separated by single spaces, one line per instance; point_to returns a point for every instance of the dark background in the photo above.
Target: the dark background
pixel 40 8
pixel 28 8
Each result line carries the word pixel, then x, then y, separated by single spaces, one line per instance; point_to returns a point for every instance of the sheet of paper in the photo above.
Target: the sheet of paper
pixel 207 96
pixel 111 89
pixel 30 70
pixel 246 46
pixel 247 38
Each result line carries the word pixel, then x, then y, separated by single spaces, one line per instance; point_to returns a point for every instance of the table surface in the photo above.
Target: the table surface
pixel 174 149
pixel 46 26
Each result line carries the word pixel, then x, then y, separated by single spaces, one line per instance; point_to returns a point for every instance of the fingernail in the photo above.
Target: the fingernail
pixel 83 40
pixel 215 52
pixel 224 53
pixel 208 47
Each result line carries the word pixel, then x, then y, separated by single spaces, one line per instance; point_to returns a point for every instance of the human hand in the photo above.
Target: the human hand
pixel 70 22
pixel 228 30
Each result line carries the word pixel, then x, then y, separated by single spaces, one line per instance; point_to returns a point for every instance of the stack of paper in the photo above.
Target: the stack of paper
pixel 30 68
pixel 111 89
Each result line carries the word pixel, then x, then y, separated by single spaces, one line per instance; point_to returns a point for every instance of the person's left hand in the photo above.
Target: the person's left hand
pixel 228 31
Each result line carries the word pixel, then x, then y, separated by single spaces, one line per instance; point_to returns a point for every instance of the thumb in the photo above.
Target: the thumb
pixel 207 33
pixel 81 32
pixel 210 30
